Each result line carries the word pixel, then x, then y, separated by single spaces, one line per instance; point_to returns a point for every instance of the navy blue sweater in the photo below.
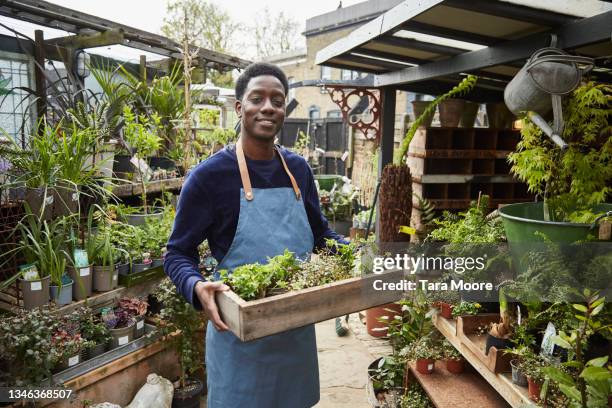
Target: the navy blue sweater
pixel 209 206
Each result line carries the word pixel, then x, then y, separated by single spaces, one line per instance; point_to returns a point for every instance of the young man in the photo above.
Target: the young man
pixel 251 201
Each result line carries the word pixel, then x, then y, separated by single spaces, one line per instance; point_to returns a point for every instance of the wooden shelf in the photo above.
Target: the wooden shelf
pixel 133 189
pixel 467 389
pixel 513 394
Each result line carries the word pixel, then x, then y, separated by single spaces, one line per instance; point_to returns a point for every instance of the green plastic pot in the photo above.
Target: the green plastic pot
pixel 522 221
pixel 326 181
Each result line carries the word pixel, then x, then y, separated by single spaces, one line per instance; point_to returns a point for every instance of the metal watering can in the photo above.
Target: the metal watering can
pixel 539 85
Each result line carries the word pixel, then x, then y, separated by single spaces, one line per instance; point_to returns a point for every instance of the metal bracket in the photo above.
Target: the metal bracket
pixel 370 126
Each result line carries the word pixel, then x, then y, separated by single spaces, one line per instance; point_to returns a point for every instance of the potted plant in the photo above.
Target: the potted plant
pixel 455 363
pixel 385 380
pixel 67 347
pixel 137 308
pixel 95 332
pixel 179 315
pixel 140 132
pixel 25 344
pixel 466 308
pixel 425 352
pixel 575 182
pixel 531 366
pixel 121 325
pixel 43 246
pixel 445 301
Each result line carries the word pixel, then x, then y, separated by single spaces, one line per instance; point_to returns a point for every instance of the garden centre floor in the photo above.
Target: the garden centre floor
pixel 343 362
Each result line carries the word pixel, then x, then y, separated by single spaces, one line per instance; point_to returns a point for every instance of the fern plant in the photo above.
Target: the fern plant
pixel 574 180
pixel 465 86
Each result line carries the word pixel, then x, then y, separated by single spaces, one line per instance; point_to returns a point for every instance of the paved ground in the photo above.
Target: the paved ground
pixel 343 362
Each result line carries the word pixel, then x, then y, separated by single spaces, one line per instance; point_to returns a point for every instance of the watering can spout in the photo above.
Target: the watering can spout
pixel 542 124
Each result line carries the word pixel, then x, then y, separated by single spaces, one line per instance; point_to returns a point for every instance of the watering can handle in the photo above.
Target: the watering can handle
pixel 556 55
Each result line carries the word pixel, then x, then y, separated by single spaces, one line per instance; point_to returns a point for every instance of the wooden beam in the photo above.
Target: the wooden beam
pixel 576 34
pixel 39 75
pixel 142 68
pixel 81 41
pixel 513 11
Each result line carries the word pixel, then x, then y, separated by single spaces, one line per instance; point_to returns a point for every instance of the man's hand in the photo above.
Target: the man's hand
pixel 206 294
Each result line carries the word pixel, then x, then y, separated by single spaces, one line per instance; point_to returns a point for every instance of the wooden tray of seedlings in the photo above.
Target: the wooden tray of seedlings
pixel 304 301
pixel 472 331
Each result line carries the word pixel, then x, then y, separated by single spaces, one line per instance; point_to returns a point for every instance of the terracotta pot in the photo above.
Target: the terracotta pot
pixel 451 111
pixel 470 110
pixel 455 366
pixel 534 389
pixel 446 310
pixel 35 293
pixel 425 366
pixel 418 107
pixel 376 328
pixel 499 116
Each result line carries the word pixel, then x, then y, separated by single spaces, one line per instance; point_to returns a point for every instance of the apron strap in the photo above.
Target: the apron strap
pixel 244 172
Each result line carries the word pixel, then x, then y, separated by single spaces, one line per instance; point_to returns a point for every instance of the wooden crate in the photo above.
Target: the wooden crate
pixel 263 317
pixel 497 361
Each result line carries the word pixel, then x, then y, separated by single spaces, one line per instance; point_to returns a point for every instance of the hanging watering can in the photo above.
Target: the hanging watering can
pixel 538 86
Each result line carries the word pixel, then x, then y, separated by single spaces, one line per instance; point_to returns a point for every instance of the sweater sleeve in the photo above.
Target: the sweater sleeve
pixel 318 222
pixel 193 220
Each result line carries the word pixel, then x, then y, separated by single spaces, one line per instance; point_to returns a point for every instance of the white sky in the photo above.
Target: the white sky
pixel 148 15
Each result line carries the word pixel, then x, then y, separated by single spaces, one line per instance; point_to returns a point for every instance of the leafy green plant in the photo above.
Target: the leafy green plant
pixel 471 226
pixel 413 323
pixel 574 180
pixel 177 315
pixel 415 397
pixel 25 343
pixel 424 348
pixel 466 308
pixel 92 328
pixel 465 86
pixel 449 352
pixel 44 243
pixel 388 374
pixel 589 383
pixel 140 132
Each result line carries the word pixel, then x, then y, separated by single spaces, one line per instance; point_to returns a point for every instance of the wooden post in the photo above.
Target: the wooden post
pixel 39 74
pixel 387 136
pixel 142 68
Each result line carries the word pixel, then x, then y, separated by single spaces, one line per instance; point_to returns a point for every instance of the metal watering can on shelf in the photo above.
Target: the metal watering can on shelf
pixel 538 87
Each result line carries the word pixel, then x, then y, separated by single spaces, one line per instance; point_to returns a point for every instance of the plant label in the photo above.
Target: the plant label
pixel 123 340
pixel 84 271
pixel 80 258
pixel 35 286
pixel 114 277
pixel 345 155
pixel 548 346
pixel 72 361
pixel 49 200
pixel 29 272
pixel 139 324
pixel 430 367
pixel 75 196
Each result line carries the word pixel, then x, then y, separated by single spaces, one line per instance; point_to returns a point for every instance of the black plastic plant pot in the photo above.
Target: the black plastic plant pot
pixel 123 269
pixel 188 396
pixel 96 350
pixel 498 343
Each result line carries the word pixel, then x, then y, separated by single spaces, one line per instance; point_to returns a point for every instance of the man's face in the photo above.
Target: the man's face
pixel 262 109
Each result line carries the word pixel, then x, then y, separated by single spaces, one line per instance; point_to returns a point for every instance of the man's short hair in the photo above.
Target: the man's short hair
pixel 258 69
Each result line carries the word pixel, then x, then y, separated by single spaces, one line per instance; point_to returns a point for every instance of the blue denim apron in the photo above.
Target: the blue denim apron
pixel 276 371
